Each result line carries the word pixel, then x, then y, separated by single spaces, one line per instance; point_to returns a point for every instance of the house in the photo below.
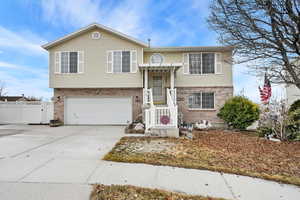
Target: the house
pixel 292 94
pixel 102 76
pixel 13 98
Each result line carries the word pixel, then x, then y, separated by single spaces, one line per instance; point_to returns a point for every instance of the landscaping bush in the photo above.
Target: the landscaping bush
pixel 264 131
pixel 295 106
pixel 293 127
pixel 239 112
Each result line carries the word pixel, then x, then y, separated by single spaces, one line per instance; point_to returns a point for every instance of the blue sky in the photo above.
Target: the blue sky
pixel 27 24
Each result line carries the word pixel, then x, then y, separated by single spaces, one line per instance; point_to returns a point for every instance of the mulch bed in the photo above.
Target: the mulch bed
pixel 218 150
pixel 126 192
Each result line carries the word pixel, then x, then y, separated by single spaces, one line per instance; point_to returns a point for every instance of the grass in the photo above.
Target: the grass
pixel 126 192
pixel 216 150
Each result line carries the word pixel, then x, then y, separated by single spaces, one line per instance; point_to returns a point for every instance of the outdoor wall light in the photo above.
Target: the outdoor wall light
pixel 137 99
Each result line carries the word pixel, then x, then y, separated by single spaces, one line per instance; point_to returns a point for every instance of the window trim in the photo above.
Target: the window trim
pixel 60 65
pixel 203 109
pixel 112 61
pixel 93 35
pixel 202 74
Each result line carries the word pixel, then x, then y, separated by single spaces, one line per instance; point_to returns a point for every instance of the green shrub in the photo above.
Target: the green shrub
pixel 295 106
pixel 264 131
pixel 293 127
pixel 239 112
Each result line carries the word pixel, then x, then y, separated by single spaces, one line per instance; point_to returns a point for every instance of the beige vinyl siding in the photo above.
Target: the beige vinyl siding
pixel 292 94
pixel 95 63
pixel 194 80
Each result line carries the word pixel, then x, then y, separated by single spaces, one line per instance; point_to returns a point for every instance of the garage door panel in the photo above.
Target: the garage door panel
pixel 98 110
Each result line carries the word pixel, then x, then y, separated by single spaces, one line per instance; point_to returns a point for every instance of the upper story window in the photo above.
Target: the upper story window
pixel 68 62
pixel 202 100
pixel 202 63
pixel 121 61
pixel 96 35
pixel 156 58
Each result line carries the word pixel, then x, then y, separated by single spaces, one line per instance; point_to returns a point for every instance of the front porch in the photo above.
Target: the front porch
pixel 159 97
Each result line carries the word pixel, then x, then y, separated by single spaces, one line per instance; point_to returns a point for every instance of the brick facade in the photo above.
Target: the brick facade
pixel 221 95
pixel 61 93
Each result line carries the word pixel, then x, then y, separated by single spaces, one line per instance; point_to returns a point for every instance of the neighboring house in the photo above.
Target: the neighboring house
pixel 102 76
pixel 13 98
pixel 292 94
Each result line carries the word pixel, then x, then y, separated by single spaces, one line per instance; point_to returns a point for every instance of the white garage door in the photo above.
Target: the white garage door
pixel 89 110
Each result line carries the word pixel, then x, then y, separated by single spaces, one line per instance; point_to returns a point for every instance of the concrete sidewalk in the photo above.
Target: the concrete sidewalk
pixel 61 163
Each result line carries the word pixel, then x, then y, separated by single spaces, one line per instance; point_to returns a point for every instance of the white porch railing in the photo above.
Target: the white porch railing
pixel 147 96
pixel 156 117
pixel 173 95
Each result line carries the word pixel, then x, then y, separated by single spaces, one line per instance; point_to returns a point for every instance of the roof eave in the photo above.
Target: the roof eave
pixel 189 49
pixel 87 28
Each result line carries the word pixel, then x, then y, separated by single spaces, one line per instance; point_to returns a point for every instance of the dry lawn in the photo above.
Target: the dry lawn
pixel 117 192
pixel 223 151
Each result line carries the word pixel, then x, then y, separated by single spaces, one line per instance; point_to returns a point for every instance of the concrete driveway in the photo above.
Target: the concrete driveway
pixel 39 162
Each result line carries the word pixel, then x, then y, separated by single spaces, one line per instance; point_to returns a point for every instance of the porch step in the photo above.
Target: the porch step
pixel 163 132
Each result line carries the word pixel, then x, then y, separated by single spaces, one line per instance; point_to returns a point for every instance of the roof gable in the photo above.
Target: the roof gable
pixel 88 28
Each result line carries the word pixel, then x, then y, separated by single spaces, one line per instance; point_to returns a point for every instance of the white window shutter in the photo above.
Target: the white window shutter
pixel 186 63
pixel 109 68
pixel 80 61
pixel 133 61
pixel 218 63
pixel 57 62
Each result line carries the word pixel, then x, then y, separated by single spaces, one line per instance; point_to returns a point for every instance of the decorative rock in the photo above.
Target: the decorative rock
pixel 139 126
pixel 203 124
pixel 274 140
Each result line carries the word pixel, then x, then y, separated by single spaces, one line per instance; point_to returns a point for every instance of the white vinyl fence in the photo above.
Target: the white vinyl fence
pixel 26 112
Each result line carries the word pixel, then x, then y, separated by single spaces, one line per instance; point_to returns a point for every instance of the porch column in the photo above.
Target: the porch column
pixel 172 79
pixel 146 79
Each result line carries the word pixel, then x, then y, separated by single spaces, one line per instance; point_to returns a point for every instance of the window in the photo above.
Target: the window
pixel 202 63
pixel 202 100
pixel 156 58
pixel 208 63
pixel 96 35
pixel 69 62
pixel 121 61
pixel 195 63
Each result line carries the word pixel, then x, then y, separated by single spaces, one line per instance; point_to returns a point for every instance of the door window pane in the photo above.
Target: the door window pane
pixel 157 86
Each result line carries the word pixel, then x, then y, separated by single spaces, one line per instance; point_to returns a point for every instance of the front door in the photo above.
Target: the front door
pixel 158 89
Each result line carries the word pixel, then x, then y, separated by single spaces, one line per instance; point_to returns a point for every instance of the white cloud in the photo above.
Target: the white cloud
pixel 22 41
pixel 69 12
pixel 140 19
pixel 34 81
pixel 19 68
pixel 27 86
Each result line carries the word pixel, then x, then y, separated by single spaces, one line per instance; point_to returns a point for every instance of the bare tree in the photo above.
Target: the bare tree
pixel 33 98
pixel 266 34
pixel 2 88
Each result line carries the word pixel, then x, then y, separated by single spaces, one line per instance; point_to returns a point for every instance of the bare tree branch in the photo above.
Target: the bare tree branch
pixel 266 34
pixel 2 88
